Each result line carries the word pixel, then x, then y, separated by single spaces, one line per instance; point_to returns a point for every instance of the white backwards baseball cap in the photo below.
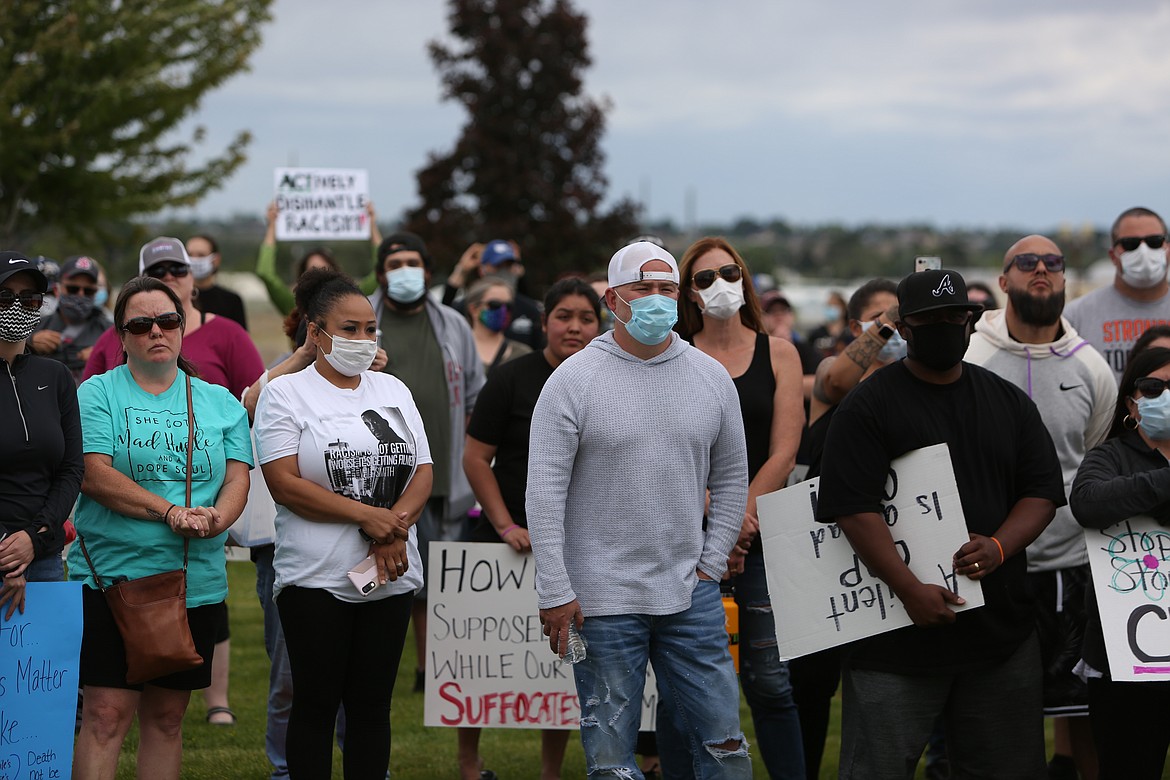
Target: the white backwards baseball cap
pixel 626 266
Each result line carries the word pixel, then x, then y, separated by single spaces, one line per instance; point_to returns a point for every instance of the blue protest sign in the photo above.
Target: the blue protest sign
pixel 39 650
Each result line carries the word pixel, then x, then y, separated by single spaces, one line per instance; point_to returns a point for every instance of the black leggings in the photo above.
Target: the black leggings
pixel 341 653
pixel 1129 726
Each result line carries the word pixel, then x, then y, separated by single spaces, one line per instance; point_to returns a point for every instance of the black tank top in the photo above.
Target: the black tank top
pixel 757 398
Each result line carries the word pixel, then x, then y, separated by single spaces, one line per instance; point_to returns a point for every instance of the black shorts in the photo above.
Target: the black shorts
pixel 1060 625
pixel 222 629
pixel 103 656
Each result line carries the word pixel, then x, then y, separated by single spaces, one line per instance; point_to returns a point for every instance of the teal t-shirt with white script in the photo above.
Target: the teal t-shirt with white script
pixel 145 435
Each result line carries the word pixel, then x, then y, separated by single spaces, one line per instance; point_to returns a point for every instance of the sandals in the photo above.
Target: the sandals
pixel 212 711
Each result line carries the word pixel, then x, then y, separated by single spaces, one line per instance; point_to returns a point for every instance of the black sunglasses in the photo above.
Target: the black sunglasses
pixel 1150 386
pixel 493 305
pixel 704 279
pixel 177 270
pixel 139 326
pixel 80 289
pixel 1130 243
pixel 1027 262
pixel 30 301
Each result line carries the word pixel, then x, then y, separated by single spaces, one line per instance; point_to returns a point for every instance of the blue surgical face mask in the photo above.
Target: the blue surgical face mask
pixel 1155 414
pixel 651 318
pixel 101 297
pixel 406 284
pixel 895 348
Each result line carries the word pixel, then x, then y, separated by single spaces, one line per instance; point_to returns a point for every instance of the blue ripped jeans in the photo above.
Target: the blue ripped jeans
pixel 695 675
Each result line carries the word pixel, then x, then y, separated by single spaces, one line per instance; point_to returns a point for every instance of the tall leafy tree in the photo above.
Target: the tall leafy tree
pixel 527 165
pixel 90 94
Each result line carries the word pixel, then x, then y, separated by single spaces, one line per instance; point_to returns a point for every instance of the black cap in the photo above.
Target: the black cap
pixel 12 263
pixel 80 264
pixel 930 290
pixel 402 242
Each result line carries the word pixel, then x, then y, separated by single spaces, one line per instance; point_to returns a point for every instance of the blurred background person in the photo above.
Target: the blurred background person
pixel 497 258
pixel 212 298
pixel 68 335
pixel 720 314
pixel 496 459
pixel 40 453
pixel 489 310
pixel 136 521
pixel 831 335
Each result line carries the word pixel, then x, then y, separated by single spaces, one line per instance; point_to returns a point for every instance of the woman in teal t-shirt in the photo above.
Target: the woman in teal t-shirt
pixel 133 516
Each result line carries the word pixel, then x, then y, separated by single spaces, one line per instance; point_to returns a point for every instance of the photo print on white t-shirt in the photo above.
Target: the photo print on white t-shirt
pixel 373 471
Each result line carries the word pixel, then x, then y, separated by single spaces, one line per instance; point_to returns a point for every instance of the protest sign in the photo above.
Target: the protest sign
pixel 488 660
pixel 38 682
pixel 1131 575
pixel 322 203
pixel 822 594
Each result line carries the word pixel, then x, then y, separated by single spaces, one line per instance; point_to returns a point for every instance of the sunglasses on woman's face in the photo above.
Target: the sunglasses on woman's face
pixel 177 270
pixel 493 305
pixel 140 326
pixel 1150 386
pixel 29 300
pixel 729 273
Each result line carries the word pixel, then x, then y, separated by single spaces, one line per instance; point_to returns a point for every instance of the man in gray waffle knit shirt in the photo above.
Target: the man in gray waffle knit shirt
pixel 628 437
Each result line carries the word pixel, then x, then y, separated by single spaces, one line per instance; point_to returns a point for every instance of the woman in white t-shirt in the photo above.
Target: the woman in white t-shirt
pixel 346 458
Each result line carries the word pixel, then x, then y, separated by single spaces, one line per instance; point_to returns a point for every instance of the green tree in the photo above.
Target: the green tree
pixel 90 94
pixel 527 165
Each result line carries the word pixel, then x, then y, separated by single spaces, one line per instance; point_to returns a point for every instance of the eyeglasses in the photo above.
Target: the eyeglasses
pixel 1150 386
pixel 80 289
pixel 704 279
pixel 1027 262
pixel 140 326
pixel 30 301
pixel 177 270
pixel 1130 243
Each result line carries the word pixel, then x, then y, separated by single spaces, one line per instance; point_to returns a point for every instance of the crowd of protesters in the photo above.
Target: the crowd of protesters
pixel 620 431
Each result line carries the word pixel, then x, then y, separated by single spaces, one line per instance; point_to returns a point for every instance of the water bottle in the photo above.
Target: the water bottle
pixel 576 646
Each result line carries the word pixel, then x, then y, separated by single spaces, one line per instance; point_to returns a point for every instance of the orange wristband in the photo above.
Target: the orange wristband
pixel 1000 546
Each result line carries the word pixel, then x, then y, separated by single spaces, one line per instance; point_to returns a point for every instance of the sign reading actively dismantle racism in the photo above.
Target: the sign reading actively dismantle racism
pixel 1131 575
pixel 39 649
pixel 822 593
pixel 488 660
pixel 322 203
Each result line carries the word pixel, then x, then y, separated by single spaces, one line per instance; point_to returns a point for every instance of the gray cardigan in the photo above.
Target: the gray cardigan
pixel 622 454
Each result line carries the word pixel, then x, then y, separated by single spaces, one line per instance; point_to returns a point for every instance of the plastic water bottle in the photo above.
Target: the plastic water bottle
pixel 576 647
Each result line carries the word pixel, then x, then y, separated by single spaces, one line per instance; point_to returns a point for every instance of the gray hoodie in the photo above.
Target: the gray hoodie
pixel 1075 391
pixel 622 454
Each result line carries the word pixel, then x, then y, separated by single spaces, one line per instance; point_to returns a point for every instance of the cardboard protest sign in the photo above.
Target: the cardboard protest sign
pixel 322 203
pixel 39 652
pixel 1131 575
pixel 822 594
pixel 488 660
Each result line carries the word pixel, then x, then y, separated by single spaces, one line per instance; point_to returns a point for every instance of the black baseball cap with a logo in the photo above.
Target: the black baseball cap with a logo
pixel 929 290
pixel 12 263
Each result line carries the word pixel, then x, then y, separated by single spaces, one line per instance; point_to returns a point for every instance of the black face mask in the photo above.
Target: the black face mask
pixel 75 307
pixel 939 345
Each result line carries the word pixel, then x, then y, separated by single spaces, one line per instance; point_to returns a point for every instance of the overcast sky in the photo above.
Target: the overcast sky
pixel 989 113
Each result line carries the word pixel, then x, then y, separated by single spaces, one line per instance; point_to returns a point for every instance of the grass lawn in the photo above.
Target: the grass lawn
pixel 419 753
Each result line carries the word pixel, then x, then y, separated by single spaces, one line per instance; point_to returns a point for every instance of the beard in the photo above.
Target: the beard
pixel 1037 310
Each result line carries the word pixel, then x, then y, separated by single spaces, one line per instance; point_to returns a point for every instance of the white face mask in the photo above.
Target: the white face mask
pixel 1143 267
pixel 723 299
pixel 894 348
pixel 202 267
pixel 350 356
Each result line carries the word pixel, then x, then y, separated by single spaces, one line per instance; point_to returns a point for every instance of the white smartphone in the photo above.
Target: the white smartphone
pixel 364 576
pixel 927 264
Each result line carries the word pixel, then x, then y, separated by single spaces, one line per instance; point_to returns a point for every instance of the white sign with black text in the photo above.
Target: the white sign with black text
pixel 322 203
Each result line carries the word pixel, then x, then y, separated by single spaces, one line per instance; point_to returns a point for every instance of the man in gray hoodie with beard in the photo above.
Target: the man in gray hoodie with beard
pixel 1032 346
pixel 631 438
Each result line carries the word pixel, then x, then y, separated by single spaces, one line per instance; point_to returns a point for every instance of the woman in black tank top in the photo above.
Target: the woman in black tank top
pixel 720 314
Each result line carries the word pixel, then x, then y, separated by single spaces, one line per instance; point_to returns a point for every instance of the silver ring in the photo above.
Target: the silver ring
pixel 401 566
pixel 976 565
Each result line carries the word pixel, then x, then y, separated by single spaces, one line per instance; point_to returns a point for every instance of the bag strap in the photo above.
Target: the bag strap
pixel 190 446
pixel 96 577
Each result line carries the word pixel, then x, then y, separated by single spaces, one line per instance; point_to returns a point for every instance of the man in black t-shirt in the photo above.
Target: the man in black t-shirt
pixel 979 669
